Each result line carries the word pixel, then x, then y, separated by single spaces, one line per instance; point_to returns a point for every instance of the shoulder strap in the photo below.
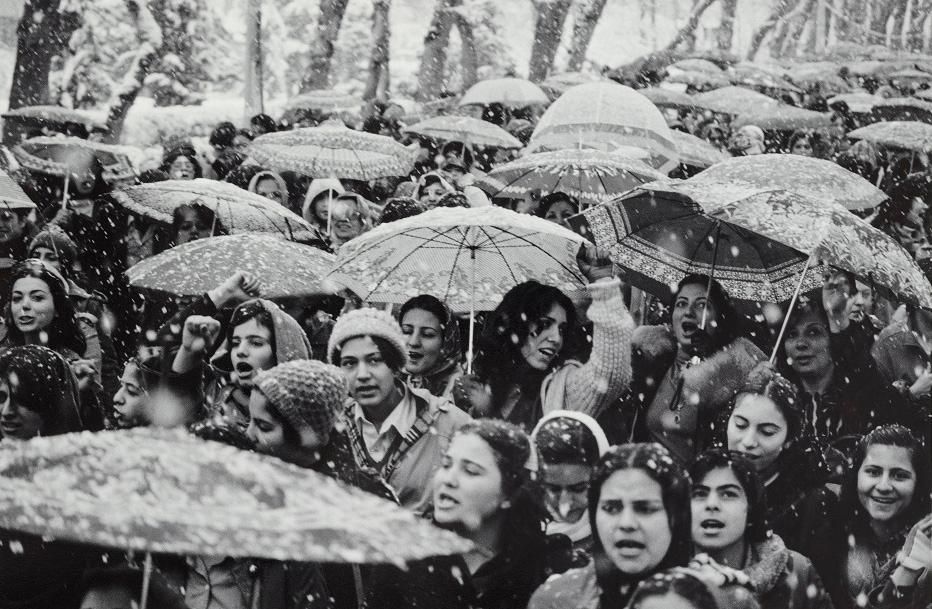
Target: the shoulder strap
pixel 425 418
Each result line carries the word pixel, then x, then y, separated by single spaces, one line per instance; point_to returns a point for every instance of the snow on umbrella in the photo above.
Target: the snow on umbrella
pixel 903 109
pixel 510 92
pixel 908 135
pixel 752 75
pixel 697 78
pixel 236 210
pixel 695 151
pixel 54 116
pixel 911 75
pixel 806 175
pixel 732 100
pixel 167 491
pixel 693 64
pixel 465 129
pixel 661 97
pixel 859 102
pixel 591 176
pixel 323 100
pixel 12 196
pixel 285 268
pixel 63 156
pixel 605 115
pixel 558 84
pixel 332 150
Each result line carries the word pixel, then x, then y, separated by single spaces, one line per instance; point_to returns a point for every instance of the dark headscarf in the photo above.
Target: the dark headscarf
pixel 41 380
pixel 436 379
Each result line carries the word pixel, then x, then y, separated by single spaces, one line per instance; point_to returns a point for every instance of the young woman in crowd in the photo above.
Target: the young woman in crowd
pixel 673 590
pixel 433 341
pixel 557 208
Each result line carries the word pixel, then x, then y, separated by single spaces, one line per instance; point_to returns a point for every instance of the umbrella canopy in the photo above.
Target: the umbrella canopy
pixel 334 151
pixel 782 117
pixel 285 268
pixel 754 75
pixel 694 64
pixel 661 97
pixel 810 176
pixel 468 258
pixel 606 115
pixel 323 100
pixel 510 92
pixel 558 84
pixel 695 78
pixel 12 196
pixel 55 116
pixel 860 102
pixel 909 135
pixel 465 129
pixel 695 151
pixel 733 100
pixel 168 491
pixel 911 75
pixel 903 109
pixel 62 156
pixel 660 236
pixel 819 74
pixel 591 176
pixel 925 94
pixel 236 210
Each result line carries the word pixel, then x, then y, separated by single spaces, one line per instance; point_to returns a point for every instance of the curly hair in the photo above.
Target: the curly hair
pixel 64 331
pixel 677 583
pixel 757 528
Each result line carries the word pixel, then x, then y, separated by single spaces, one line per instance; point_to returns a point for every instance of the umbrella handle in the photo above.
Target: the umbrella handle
pixel 786 318
pixel 708 290
pixel 472 314
pixel 146 577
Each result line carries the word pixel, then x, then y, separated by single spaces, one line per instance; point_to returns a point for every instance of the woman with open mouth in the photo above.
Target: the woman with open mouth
pixel 882 540
pixel 434 349
pixel 729 523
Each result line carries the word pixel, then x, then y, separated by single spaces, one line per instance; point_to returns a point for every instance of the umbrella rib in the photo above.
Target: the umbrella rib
pixel 456 257
pixel 574 272
pixel 381 240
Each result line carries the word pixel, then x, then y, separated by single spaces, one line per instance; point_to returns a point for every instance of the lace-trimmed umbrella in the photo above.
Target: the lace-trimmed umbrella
pixel 465 129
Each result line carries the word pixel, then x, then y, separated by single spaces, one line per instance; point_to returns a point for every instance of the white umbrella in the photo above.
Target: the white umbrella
pixel 465 129
pixel 510 92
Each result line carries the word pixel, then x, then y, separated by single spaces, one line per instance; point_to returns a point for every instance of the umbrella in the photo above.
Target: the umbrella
pixel 323 100
pixel 606 115
pixel 558 84
pixel 465 129
pixel 235 209
pixel 510 92
pixel 911 75
pixel 696 65
pixel 908 135
pixel 699 79
pixel 859 102
pixel 661 97
pixel 332 150
pixel 591 176
pixel 818 178
pixel 733 100
pixel 925 94
pixel 167 491
pixel 752 75
pixel 55 116
pixel 285 268
pixel 695 151
pixel 12 196
pixel 62 156
pixel 903 109
pixel 660 235
pixel 820 74
pixel 782 117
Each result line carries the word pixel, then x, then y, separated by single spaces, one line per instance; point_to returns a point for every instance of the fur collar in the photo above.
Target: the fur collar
pixel 770 559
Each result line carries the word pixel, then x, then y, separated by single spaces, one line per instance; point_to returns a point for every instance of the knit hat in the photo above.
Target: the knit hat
pixel 54 238
pixel 307 393
pixel 367 322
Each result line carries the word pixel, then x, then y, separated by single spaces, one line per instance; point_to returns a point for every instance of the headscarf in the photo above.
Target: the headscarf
pixel 318 187
pixel 253 183
pixel 436 379
pixel 43 382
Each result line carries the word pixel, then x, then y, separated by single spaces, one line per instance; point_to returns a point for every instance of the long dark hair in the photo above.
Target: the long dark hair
pixel 64 331
pixel 729 326
pixel 756 529
pixel 40 380
pixel 680 584
pixel 657 463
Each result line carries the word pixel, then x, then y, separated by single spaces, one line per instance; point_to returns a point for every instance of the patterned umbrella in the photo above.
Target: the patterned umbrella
pixel 782 117
pixel 323 100
pixel 236 210
pixel 903 109
pixel 605 115
pixel 591 176
pixel 732 100
pixel 696 151
pixel 168 491
pixel 12 195
pixel 465 129
pixel 909 135
pixel 54 116
pixel 806 175
pixel 332 150
pixel 285 268
pixel 59 156
pixel 667 97
pixel 510 92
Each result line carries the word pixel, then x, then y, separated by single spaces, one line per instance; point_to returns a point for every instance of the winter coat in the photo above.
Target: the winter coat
pixel 900 358
pixel 707 390
pixel 784 579
pixel 40 574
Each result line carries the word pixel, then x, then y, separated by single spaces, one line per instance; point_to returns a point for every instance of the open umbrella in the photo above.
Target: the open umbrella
pixel 810 176
pixel 168 491
pixel 591 176
pixel 732 100
pixel 62 156
pixel 695 151
pixel 667 97
pixel 54 116
pixel 235 210
pixel 605 115
pixel 860 102
pixel 558 84
pixel 12 196
pixel 323 100
pixel 286 268
pixel 465 129
pixel 818 74
pixel 903 109
pixel 699 79
pixel 911 75
pixel 510 92
pixel 908 135
pixel 782 117
pixel 754 75
pixel 333 151
pixel 693 64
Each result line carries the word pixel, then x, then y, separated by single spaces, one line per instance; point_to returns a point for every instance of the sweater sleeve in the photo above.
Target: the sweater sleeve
pixel 592 387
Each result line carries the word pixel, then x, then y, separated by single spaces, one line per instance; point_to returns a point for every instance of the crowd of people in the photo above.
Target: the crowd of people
pixel 596 458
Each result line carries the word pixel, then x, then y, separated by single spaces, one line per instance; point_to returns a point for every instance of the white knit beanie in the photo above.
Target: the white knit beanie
pixel 367 322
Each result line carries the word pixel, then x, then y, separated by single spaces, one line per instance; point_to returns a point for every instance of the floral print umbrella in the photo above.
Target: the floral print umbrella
pixel 285 268
pixel 908 135
pixel 168 491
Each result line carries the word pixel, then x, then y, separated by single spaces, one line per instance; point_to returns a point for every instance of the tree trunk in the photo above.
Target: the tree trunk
pixel 905 26
pixel 469 60
pixel 434 58
pixel 253 85
pixel 927 34
pixel 726 28
pixel 548 30
pixel 328 28
pixel 378 60
pixel 794 22
pixel 691 24
pixel 777 17
pixel 820 26
pixel 585 21
pixel 879 18
pixel 150 43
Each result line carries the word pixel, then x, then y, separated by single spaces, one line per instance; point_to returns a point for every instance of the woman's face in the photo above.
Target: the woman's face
pixel 917 212
pixel 559 212
pixel 886 481
pixel 32 305
pixel 802 147
pixel 129 402
pixel 566 487
pixel 719 510
pixel 191 227
pixel 345 221
pixel 16 421
pixel 468 486
pixel 545 340
pixel 182 168
pixel 424 334
pixel 807 345
pixel 268 431
pixel 268 188
pixel 46 255
pixel 251 351
pixel 687 314
pixel 320 206
pixel 758 430
pixel 632 522
pixel 431 195
pixel 370 379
